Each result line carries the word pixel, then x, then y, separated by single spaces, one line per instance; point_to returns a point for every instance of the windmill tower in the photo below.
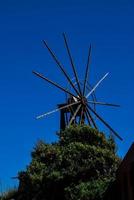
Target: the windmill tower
pixel 80 105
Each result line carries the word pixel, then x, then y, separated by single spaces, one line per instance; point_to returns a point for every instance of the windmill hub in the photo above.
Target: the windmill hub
pixel 84 101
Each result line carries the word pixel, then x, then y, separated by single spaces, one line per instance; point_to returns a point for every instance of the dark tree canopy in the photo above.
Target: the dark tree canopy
pixel 80 166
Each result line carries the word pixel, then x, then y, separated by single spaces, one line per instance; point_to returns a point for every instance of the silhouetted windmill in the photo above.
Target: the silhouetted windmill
pixel 78 108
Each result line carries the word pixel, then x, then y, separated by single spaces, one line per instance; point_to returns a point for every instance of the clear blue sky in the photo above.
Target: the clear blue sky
pixel 108 25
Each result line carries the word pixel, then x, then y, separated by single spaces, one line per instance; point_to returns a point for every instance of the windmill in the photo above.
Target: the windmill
pixel 80 105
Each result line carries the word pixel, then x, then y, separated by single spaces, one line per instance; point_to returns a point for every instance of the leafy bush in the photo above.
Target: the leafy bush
pixel 79 166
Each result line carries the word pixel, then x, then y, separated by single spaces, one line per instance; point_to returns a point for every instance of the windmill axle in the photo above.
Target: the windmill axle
pixel 84 101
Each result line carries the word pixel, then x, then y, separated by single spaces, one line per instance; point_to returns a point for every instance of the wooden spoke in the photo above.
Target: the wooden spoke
pixel 72 63
pixel 104 122
pixel 73 117
pixel 98 83
pixel 91 118
pixel 57 109
pixel 88 119
pixel 60 66
pixel 82 116
pixel 103 103
pixel 87 71
pixel 53 83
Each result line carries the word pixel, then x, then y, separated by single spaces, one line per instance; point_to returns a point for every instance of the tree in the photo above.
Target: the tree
pixel 80 166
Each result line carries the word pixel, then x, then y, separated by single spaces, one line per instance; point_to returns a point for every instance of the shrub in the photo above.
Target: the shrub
pixel 79 166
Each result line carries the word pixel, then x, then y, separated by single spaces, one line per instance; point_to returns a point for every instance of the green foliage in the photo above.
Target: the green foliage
pixel 79 166
pixel 91 190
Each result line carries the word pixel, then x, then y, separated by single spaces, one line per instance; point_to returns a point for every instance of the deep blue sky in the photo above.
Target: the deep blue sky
pixel 108 25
